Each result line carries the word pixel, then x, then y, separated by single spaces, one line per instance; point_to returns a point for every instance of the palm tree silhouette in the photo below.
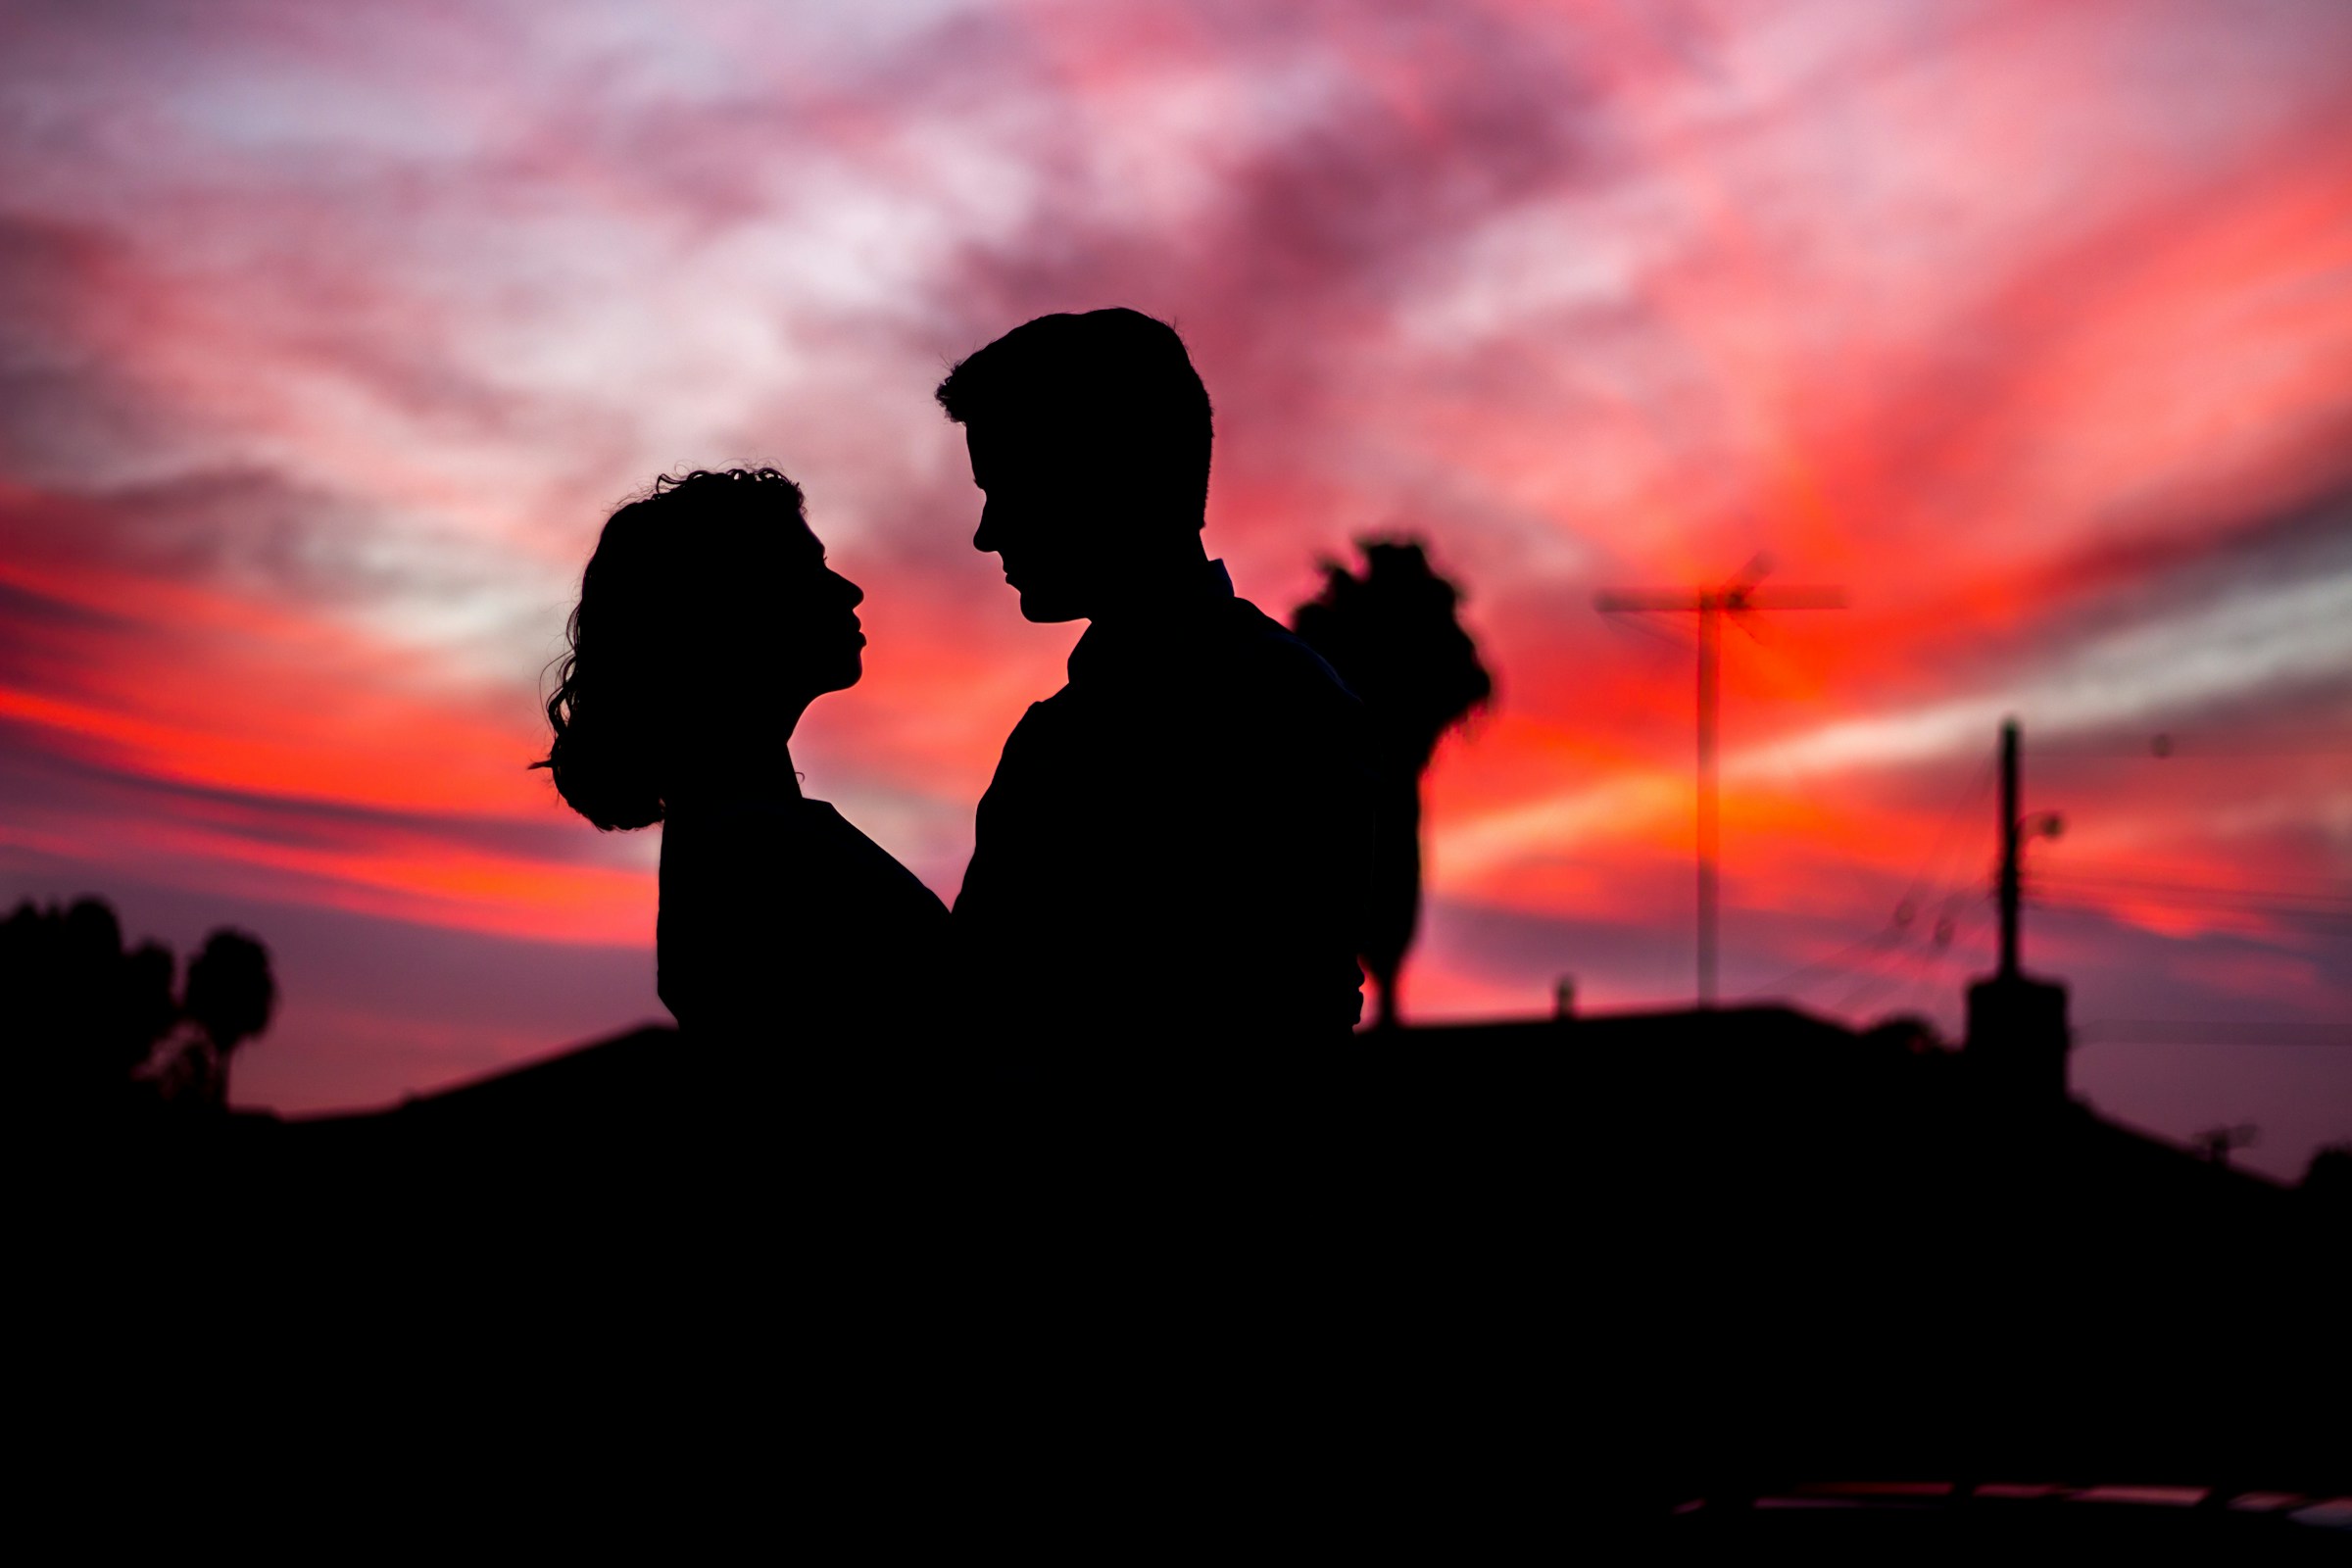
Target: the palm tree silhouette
pixel 229 997
pixel 1394 636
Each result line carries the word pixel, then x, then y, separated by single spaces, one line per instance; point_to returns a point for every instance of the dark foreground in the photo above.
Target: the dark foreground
pixel 1533 1283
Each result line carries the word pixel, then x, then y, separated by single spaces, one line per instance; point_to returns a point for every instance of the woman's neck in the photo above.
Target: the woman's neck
pixel 739 769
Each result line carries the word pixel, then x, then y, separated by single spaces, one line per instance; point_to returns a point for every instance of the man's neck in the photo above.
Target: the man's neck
pixel 1165 585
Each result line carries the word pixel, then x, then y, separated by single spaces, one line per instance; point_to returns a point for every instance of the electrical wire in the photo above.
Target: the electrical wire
pixel 2252 896
pixel 1804 974
pixel 2101 901
pixel 1922 876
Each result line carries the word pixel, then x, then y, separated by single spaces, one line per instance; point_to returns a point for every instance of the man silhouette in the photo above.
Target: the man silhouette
pixel 1176 845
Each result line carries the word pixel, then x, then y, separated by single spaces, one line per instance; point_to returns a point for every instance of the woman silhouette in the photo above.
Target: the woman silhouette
pixel 708 623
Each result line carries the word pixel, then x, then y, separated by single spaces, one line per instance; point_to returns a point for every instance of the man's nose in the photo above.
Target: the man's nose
pixel 985 536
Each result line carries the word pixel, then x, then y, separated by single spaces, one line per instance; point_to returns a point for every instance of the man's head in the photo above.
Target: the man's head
pixel 1090 435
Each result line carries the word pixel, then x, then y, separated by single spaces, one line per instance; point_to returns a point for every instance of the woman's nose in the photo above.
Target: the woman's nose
pixel 856 594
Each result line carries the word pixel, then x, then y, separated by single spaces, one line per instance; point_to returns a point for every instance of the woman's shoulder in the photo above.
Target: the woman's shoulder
pixel 787 909
pixel 838 839
pixel 787 835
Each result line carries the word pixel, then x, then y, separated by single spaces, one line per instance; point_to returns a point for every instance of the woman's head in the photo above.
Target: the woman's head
pixel 708 622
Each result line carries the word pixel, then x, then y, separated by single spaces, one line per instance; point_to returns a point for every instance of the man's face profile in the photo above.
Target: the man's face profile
pixel 1042 518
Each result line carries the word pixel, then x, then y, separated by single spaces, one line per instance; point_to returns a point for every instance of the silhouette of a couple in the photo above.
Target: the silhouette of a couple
pixel 1175 850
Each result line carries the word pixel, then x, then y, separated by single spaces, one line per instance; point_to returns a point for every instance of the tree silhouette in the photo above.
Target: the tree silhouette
pixel 229 1000
pixel 83 1017
pixel 81 1014
pixel 1394 636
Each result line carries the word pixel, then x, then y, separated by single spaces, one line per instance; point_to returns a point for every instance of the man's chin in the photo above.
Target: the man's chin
pixel 1046 608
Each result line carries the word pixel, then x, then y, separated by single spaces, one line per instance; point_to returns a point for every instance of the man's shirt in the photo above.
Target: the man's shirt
pixel 1176 845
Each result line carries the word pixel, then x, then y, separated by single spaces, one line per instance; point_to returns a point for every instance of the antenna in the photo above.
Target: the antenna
pixel 1742 599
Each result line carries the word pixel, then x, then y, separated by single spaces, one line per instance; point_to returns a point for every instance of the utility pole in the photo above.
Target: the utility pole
pixel 2012 851
pixel 2014 829
pixel 2017 1029
pixel 1739 598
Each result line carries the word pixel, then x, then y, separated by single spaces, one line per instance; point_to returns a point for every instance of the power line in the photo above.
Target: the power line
pixel 1952 929
pixel 1923 887
pixel 2318 887
pixel 2327 903
pixel 2095 899
pixel 1875 979
pixel 1836 961
pixel 1978 783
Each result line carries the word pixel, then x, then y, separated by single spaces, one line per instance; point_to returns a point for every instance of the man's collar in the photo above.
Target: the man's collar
pixel 1105 649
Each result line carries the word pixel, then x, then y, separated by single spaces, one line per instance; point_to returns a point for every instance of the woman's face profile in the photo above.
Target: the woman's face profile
pixel 817 617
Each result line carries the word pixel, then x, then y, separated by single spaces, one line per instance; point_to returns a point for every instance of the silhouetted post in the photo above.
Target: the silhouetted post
pixel 1736 598
pixel 2017 1029
pixel 1710 677
pixel 2011 873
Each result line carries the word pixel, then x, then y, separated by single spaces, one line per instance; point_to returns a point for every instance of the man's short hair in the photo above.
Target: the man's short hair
pixel 1118 382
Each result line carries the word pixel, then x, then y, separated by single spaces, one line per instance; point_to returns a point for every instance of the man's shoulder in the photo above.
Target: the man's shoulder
pixel 1238 667
pixel 1272 654
pixel 1051 732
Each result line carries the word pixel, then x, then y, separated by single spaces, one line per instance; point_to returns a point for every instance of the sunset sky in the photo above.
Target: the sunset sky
pixel 330 334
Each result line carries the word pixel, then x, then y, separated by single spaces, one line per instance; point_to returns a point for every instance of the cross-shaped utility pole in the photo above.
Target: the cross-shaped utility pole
pixel 1739 598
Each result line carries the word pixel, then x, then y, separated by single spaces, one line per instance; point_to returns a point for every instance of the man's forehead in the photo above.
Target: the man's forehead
pixel 1004 449
pixel 1002 440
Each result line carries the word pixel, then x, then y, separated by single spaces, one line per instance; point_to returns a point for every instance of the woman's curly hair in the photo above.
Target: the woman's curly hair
pixel 647 596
